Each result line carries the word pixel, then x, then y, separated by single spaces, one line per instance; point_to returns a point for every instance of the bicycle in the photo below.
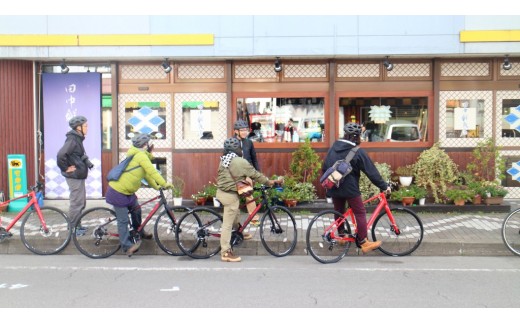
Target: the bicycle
pixel 44 230
pixel 400 230
pixel 98 236
pixel 511 231
pixel 198 231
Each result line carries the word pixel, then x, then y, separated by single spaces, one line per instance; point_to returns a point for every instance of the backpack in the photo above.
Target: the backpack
pixel 115 173
pixel 336 173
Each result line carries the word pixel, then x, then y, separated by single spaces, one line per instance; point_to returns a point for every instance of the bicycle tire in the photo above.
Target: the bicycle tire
pixel 278 231
pixel 411 232
pixel 101 237
pixel 164 232
pixel 320 244
pixel 511 231
pixel 198 233
pixel 46 243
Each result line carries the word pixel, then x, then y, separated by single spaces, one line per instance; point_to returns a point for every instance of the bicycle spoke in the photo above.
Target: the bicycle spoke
pixel 278 231
pixel 406 240
pixel 198 233
pixel 47 241
pixel 322 238
pixel 511 232
pixel 164 233
pixel 95 234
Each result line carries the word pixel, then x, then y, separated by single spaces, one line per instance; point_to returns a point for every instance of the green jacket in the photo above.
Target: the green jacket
pixel 240 168
pixel 130 182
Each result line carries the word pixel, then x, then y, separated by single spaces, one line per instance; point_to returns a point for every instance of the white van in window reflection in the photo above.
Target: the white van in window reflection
pixel 395 131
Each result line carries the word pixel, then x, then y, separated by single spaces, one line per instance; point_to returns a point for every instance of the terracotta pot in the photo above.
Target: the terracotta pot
pixel 477 199
pixel 200 201
pixel 408 200
pixel 459 202
pixel 290 203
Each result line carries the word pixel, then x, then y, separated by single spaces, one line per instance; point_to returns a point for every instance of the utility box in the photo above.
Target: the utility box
pixel 17 175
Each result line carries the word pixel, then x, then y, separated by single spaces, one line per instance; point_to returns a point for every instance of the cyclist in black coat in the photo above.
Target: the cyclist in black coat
pixel 348 190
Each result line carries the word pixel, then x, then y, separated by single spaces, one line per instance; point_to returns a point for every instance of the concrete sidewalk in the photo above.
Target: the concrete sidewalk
pixel 445 234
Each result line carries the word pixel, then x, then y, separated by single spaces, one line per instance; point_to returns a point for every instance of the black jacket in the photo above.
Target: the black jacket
pixel 71 154
pixel 349 188
pixel 249 153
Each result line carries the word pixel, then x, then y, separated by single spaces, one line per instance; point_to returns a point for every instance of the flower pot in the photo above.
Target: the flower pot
pixel 422 201
pixel 477 199
pixel 408 200
pixel 405 180
pixel 177 201
pixel 459 202
pixel 216 203
pixel 290 202
pixel 329 200
pixel 200 200
pixel 495 200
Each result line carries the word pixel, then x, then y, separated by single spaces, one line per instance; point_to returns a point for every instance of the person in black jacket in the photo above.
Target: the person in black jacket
pixel 74 165
pixel 348 191
pixel 241 129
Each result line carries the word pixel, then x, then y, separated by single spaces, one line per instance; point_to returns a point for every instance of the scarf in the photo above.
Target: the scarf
pixel 226 159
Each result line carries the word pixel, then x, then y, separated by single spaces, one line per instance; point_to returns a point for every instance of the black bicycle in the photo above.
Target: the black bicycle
pixel 198 231
pixel 97 236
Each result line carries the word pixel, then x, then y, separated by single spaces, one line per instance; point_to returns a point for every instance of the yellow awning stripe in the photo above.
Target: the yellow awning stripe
pixel 108 40
pixel 471 36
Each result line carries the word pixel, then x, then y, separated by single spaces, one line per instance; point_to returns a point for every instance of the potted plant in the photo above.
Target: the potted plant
pixel 290 193
pixel 200 197
pixel 478 191
pixel 494 193
pixel 420 194
pixel 211 192
pixel 460 195
pixel 305 163
pixel 405 174
pixel 177 190
pixel 434 170
pixel 405 195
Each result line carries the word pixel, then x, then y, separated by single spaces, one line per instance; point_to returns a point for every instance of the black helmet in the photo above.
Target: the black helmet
pixel 141 139
pixel 76 121
pixel 352 128
pixel 232 145
pixel 241 124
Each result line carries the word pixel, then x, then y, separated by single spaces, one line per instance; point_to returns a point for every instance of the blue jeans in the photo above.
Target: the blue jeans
pixel 123 223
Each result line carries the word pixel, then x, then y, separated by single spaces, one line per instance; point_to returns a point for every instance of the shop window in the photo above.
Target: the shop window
pixel 464 118
pixel 200 119
pixel 510 118
pixel 386 119
pixel 283 119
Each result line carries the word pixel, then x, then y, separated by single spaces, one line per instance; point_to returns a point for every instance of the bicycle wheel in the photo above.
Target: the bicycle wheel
pixel 278 231
pixel 322 234
pixel 511 231
pixel 164 231
pixel 49 242
pixel 198 233
pixel 406 240
pixel 97 236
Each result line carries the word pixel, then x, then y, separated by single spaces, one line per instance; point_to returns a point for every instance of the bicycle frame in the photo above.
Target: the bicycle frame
pixel 33 202
pixel 383 204
pixel 263 202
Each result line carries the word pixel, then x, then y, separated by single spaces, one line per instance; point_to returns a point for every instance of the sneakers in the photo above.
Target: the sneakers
pixel 80 231
pixel 255 221
pixel 247 236
pixel 229 256
pixel 133 249
pixel 367 246
pixel 145 235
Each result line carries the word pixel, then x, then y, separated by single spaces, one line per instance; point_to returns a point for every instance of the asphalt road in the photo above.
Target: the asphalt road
pixel 29 281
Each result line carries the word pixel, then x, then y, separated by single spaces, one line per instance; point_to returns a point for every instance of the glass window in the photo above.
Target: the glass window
pixel 386 119
pixel 464 118
pixel 511 118
pixel 283 119
pixel 200 119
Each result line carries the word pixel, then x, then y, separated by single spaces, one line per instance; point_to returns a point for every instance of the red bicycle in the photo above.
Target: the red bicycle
pixel 44 230
pixel 98 237
pixel 399 229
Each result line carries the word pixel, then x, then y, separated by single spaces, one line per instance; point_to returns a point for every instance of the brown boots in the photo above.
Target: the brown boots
pixel 367 246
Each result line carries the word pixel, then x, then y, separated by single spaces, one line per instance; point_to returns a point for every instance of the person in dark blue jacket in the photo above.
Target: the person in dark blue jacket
pixel 348 191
